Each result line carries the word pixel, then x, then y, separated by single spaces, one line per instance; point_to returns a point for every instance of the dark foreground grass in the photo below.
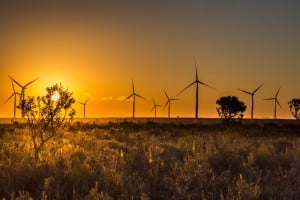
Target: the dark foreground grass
pixel 153 161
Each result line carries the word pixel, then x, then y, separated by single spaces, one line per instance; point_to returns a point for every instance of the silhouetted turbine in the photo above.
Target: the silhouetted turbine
pixel 14 94
pixel 252 97
pixel 169 103
pixel 154 107
pixel 197 82
pixel 23 88
pixel 133 94
pixel 275 102
pixel 84 104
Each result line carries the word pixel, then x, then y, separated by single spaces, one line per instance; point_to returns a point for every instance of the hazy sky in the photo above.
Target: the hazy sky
pixel 95 48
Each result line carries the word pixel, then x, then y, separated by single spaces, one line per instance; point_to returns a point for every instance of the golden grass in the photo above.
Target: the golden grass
pixel 150 160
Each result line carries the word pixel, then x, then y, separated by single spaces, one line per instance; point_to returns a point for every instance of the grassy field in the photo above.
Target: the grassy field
pixel 153 160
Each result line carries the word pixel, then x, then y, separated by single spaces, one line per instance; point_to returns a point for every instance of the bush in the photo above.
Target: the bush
pixel 46 114
pixel 294 105
pixel 229 108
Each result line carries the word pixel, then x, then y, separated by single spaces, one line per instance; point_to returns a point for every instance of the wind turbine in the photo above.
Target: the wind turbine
pixel 84 104
pixel 275 102
pixel 197 82
pixel 14 94
pixel 169 103
pixel 252 97
pixel 154 108
pixel 133 94
pixel 23 87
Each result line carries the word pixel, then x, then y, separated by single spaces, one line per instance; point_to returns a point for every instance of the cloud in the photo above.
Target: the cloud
pixel 109 98
pixel 106 98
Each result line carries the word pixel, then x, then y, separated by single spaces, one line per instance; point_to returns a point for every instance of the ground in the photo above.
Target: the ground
pixel 153 160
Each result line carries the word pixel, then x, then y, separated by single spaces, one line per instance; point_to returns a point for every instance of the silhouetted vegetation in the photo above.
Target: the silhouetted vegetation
pixel 229 108
pixel 294 105
pixel 129 160
pixel 46 115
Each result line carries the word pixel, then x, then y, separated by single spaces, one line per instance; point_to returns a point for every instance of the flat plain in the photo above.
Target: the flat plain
pixel 153 159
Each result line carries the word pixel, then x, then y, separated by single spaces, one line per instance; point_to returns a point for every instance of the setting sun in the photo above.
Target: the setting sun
pixel 55 96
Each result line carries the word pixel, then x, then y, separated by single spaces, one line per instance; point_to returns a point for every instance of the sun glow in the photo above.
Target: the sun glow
pixel 55 96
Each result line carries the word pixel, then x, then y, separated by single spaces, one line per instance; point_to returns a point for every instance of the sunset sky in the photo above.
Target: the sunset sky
pixel 95 48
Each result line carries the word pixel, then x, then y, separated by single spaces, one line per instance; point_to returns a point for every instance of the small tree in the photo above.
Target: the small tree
pixel 46 114
pixel 230 107
pixel 295 108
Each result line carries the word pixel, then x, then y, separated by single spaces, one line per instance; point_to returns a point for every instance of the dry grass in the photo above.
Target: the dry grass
pixel 128 160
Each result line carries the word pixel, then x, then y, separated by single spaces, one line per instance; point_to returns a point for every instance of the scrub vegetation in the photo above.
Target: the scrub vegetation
pixel 152 160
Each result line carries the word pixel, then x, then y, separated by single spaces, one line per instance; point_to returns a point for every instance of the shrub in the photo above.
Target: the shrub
pixel 294 105
pixel 46 114
pixel 229 108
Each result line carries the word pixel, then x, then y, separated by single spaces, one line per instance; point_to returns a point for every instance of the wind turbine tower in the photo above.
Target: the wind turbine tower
pixel 197 82
pixel 154 107
pixel 14 94
pixel 169 103
pixel 133 95
pixel 23 87
pixel 84 104
pixel 275 102
pixel 252 97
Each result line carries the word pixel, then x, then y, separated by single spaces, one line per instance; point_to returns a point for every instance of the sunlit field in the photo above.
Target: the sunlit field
pixel 147 159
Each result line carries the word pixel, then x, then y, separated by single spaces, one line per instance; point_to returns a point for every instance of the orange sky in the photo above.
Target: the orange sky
pixel 96 49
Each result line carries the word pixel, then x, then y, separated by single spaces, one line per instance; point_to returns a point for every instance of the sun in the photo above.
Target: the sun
pixel 55 96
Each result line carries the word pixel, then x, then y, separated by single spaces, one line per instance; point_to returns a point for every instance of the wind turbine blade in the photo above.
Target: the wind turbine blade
pixel 139 96
pixel 205 84
pixel 166 95
pixel 10 97
pixel 174 99
pixel 257 88
pixel 187 87
pixel 154 103
pixel 269 99
pixel 86 101
pixel 244 91
pixel 12 83
pixel 278 103
pixel 15 81
pixel 277 93
pixel 196 69
pixel 30 82
pixel 167 103
pixel 153 108
pixel 128 97
pixel 132 86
